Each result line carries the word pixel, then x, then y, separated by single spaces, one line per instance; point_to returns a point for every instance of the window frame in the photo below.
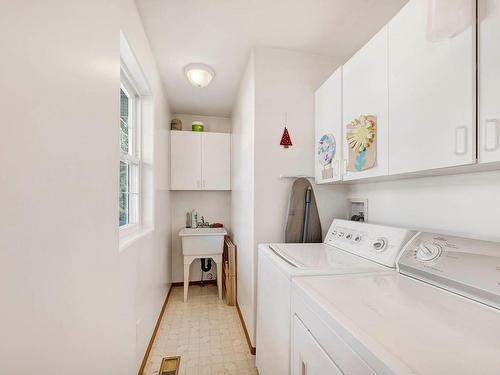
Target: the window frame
pixel 134 156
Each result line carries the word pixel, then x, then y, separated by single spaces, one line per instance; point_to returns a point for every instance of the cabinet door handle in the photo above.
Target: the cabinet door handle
pixel 461 140
pixel 491 134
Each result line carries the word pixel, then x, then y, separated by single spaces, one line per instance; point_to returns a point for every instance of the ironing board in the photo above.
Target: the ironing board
pixel 296 210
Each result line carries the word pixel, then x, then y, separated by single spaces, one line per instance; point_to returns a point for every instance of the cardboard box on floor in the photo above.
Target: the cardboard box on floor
pixel 229 271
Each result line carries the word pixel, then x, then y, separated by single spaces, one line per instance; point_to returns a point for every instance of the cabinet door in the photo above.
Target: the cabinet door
pixel 364 88
pixel 489 81
pixel 328 129
pixel 185 160
pixel 307 355
pixel 432 86
pixel 216 161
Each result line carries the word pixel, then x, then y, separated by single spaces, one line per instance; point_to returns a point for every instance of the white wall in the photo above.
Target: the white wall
pixel 215 206
pixel 242 194
pixel 70 297
pixel 276 81
pixel 464 205
pixel 285 82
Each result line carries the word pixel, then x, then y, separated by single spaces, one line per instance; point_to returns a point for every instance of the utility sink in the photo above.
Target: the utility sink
pixel 202 241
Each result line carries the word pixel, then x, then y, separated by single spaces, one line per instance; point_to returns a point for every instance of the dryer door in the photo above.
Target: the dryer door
pixel 308 357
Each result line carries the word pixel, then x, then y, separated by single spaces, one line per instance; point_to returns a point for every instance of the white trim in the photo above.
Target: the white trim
pixel 129 239
pixel 133 79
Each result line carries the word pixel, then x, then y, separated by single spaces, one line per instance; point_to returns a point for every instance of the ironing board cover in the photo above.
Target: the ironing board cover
pixel 295 215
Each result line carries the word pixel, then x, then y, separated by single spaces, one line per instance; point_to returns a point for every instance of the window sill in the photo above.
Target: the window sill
pixel 129 239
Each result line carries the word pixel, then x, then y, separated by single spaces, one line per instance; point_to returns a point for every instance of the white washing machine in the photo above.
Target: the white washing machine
pixel 439 315
pixel 349 247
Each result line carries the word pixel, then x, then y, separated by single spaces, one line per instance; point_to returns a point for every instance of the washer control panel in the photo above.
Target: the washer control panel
pixel 381 244
pixel 428 251
pixel 465 266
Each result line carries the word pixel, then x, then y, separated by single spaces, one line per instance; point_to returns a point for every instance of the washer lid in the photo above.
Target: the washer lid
pixel 400 325
pixel 321 256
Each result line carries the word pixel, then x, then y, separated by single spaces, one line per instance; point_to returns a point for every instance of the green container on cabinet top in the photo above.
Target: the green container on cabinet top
pixel 197 126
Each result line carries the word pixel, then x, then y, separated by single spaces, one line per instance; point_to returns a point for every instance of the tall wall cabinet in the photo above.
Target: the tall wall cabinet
pixel 200 161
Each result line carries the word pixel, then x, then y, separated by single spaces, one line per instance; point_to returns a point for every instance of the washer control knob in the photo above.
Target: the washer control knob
pixel 380 244
pixel 428 251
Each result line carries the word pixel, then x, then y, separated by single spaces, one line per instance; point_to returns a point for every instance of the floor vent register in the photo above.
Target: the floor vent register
pixel 170 366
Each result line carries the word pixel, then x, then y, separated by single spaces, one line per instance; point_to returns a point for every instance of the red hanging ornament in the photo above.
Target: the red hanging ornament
pixel 285 139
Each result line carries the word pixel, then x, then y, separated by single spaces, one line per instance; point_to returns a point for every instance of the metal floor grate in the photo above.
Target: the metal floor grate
pixel 170 366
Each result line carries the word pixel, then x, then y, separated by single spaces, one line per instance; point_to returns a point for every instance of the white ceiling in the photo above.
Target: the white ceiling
pixel 220 33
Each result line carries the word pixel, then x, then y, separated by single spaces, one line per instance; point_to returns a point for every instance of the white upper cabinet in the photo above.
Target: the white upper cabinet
pixel 328 129
pixel 200 161
pixel 185 160
pixel 216 161
pixel 364 88
pixel 432 85
pixel 489 81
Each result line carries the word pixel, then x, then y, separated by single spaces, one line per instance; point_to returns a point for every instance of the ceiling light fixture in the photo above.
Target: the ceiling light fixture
pixel 199 75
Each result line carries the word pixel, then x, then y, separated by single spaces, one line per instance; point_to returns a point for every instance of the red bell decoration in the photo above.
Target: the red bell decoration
pixel 285 139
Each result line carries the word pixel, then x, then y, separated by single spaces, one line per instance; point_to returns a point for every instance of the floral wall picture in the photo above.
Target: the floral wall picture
pixel 327 148
pixel 362 140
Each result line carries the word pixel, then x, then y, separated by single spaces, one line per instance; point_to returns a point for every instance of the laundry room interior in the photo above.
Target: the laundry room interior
pixel 267 187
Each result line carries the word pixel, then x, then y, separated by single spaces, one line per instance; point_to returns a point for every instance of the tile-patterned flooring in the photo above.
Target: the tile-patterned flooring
pixel 205 332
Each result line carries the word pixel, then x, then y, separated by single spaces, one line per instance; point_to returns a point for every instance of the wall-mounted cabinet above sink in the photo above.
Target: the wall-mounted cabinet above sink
pixel 200 161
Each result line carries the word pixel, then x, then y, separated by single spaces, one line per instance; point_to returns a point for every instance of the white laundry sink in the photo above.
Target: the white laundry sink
pixel 202 241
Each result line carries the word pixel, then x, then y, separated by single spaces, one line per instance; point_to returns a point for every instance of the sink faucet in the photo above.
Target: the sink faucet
pixel 203 223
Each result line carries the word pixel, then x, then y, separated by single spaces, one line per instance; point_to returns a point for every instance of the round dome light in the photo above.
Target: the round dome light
pixel 199 75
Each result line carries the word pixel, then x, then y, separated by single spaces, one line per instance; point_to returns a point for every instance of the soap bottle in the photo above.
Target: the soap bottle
pixel 194 219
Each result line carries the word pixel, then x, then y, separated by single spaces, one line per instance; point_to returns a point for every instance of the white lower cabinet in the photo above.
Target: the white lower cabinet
pixel 489 81
pixel 432 85
pixel 308 356
pixel 328 129
pixel 364 95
